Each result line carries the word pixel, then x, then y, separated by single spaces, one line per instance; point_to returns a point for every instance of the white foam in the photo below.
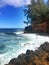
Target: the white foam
pixel 19 32
pixel 34 41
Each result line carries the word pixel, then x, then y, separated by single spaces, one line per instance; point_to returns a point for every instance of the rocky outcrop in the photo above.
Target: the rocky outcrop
pixel 28 29
pixel 38 57
pixel 37 28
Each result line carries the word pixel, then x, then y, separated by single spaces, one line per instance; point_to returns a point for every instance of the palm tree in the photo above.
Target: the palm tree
pixel 48 3
pixel 36 12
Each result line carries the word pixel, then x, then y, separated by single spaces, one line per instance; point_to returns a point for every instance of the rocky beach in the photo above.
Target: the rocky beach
pixel 37 57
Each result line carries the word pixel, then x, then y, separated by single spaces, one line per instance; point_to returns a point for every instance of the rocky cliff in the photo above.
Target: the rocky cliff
pixel 38 57
pixel 37 28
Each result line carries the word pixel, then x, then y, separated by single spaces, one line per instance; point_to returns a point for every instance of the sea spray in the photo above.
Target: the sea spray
pixel 19 43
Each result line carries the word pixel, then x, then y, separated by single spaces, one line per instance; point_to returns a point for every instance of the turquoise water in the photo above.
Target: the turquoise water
pixel 13 45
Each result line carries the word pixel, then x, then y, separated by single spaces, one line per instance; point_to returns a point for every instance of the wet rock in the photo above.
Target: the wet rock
pixel 47 59
pixel 28 29
pixel 38 57
pixel 44 47
pixel 29 55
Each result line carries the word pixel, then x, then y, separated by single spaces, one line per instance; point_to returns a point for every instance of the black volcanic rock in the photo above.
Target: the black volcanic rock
pixel 28 29
pixel 38 57
pixel 29 55
pixel 45 47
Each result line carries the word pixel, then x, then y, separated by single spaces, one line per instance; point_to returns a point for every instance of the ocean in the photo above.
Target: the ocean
pixel 11 45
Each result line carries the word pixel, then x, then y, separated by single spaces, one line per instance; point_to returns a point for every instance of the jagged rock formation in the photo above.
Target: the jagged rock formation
pixel 38 57
pixel 37 28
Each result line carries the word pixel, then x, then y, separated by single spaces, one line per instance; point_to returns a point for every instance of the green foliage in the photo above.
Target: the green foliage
pixel 37 11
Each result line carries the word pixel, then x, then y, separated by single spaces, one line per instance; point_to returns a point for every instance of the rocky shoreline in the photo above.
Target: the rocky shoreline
pixel 37 57
pixel 39 28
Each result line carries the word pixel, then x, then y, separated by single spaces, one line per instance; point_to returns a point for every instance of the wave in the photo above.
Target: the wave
pixel 11 31
pixel 21 32
pixel 2 33
pixel 20 45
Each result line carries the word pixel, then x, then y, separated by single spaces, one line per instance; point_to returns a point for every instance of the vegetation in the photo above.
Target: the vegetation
pixel 37 11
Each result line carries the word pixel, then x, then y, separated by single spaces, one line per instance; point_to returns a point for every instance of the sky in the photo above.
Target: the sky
pixel 12 14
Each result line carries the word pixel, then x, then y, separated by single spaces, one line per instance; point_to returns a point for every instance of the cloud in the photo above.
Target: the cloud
pixel 15 3
pixel 1 3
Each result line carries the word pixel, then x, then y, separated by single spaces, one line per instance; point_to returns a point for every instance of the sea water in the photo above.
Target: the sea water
pixel 13 45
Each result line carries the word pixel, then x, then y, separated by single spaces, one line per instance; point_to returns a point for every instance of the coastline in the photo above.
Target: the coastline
pixel 26 42
pixel 40 57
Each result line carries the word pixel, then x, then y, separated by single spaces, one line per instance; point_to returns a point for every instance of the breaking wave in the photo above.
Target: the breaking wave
pixel 13 45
